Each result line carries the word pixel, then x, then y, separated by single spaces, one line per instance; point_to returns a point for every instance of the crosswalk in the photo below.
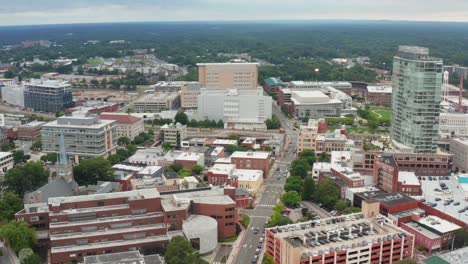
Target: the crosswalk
pixel 266 205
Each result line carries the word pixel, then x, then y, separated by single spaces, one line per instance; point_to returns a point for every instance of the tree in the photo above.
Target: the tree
pixel 36 145
pixel 90 171
pixel 180 251
pixel 131 149
pixel 51 157
pixel 267 259
pixel 18 235
pixel 291 198
pixel 197 169
pixel 326 193
pixel 309 189
pixel 19 157
pixel 123 141
pixel 184 172
pixel 461 238
pixel 308 155
pixel 139 140
pixel 176 167
pixel 294 183
pixel 273 123
pixel 341 205
pixel 26 178
pixel 10 204
pixel 27 256
pixel 300 168
pixel 114 159
pixel 182 118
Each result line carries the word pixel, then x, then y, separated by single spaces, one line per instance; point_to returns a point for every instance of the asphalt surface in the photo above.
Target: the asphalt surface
pixel 274 187
pixel 8 257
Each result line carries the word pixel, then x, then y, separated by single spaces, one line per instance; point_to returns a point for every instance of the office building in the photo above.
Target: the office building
pixel 13 95
pixel 157 102
pixel 6 162
pixel 30 131
pixel 453 125
pixel 379 95
pixel 47 95
pixel 342 86
pixel 459 149
pixel 355 238
pixel 228 75
pixel 189 95
pixel 235 106
pixel 173 134
pixel 126 125
pixel 307 134
pixel 85 137
pixel 416 94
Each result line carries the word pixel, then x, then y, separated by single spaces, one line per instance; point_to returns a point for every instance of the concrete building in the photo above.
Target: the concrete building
pixel 235 106
pixel 157 102
pixel 126 125
pixel 379 95
pixel 129 257
pixel 202 231
pixel 228 75
pixel 147 156
pixel 315 104
pixel 189 95
pixel 251 180
pixel 459 149
pixel 6 162
pixel 13 95
pixel 174 86
pixel 173 134
pixel 453 124
pixel 47 95
pixel 333 141
pixel 417 81
pixel 250 160
pixel 355 238
pixel 85 137
pixel 30 131
pixel 307 134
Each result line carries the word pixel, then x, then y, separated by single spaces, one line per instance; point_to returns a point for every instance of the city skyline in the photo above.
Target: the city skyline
pixel 85 11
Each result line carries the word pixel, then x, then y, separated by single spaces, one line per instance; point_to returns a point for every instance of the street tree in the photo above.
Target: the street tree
pixel 291 198
pixel 19 156
pixel 36 145
pixel 294 183
pixel 308 189
pixel 180 251
pixel 18 235
pixel 182 118
pixel 123 141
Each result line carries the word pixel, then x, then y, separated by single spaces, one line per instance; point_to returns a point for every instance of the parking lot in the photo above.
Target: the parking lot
pixel 439 197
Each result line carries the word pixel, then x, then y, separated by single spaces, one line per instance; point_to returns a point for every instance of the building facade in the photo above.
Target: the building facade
pixel 126 125
pixel 252 161
pixel 273 84
pixel 352 238
pixel 417 82
pixel 13 95
pixel 189 95
pixel 173 134
pixel 228 75
pixel 84 136
pixel 379 95
pixel 157 102
pixel 453 124
pixel 308 134
pixel 30 131
pixel 459 149
pixel 47 95
pixel 6 162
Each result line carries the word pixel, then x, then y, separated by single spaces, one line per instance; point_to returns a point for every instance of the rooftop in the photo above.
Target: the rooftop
pixel 150 170
pixel 273 81
pixel 408 177
pixel 247 175
pixel 120 117
pixel 88 122
pixel 34 124
pixel 228 63
pixel 225 169
pixel 379 89
pixel 225 142
pixel 391 199
pixel 127 257
pixel 132 195
pixel 438 224
pixel 320 84
pixel 48 83
pixel 199 223
pixel 190 156
pixel 250 154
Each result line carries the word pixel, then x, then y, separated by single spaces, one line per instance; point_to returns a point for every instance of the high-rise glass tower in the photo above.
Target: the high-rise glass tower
pixel 417 82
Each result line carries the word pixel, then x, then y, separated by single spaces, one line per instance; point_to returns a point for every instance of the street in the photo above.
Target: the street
pixel 8 256
pixel 274 187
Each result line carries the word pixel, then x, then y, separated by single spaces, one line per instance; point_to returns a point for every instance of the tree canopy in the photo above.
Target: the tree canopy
pixel 182 118
pixel 180 251
pixel 90 171
pixel 18 235
pixel 291 198
pixel 25 178
pixel 10 204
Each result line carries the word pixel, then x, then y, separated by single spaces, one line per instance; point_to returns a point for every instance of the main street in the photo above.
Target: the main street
pixel 273 188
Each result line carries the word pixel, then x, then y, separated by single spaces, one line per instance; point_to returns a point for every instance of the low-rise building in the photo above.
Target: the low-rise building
pixel 147 156
pixel 315 104
pixel 126 125
pixel 13 95
pixel 273 84
pixel 329 142
pixel 173 134
pixel 379 95
pixel 342 86
pixel 355 238
pixel 307 134
pixel 157 102
pixel 459 148
pixel 250 160
pixel 224 142
pixel 251 180
pixel 221 174
pixel 123 258
pixel 453 125
pixel 6 162
pixel 84 136
pixel 30 131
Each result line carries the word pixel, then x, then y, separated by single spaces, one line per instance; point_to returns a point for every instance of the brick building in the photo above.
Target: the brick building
pixel 30 131
pixel 221 174
pixel 126 125
pixel 379 95
pixel 273 85
pixel 250 160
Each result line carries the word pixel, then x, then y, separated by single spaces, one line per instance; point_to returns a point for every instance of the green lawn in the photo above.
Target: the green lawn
pixel 381 112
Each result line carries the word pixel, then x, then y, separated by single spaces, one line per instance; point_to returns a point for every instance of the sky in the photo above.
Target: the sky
pixel 33 12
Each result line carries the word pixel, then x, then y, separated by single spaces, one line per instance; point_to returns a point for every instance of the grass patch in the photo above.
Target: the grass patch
pixel 381 112
pixel 227 239
pixel 95 61
pixel 245 221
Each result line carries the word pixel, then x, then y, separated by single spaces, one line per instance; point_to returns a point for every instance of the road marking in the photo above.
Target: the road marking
pixel 266 205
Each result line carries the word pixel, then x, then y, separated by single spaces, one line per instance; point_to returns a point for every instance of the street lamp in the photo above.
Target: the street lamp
pixel 316 74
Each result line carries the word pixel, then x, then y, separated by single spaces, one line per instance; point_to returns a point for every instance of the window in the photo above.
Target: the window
pixel 100 203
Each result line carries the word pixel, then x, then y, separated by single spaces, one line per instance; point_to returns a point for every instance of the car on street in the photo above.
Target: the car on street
pixel 256 231
pixel 456 203
pixel 437 199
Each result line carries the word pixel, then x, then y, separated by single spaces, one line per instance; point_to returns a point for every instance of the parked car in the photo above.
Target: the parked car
pixel 437 199
pixel 456 203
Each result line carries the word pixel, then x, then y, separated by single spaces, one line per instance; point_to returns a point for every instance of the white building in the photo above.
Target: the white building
pixel 189 95
pixel 459 148
pixel 251 180
pixel 147 156
pixel 313 85
pixel 173 134
pixel 6 162
pixel 235 106
pixel 315 104
pixel 13 94
pixel 453 123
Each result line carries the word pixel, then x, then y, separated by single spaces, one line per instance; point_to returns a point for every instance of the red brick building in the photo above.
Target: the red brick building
pixel 252 161
pixel 272 85
pixel 30 131
pixel 379 95
pixel 78 226
pixel 221 174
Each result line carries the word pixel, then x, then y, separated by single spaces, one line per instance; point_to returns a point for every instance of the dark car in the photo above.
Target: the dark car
pixel 256 231
pixel 456 203
pixel 437 199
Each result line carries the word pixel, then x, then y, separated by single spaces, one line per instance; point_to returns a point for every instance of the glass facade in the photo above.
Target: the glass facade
pixel 416 95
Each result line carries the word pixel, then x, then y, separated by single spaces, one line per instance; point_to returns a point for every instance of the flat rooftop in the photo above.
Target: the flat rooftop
pixel 392 199
pixel 379 89
pixel 228 64
pixel 347 232
pixel 438 224
pixel 225 169
pixel 248 175
pixel 408 177
pixel 135 194
pixel 225 142
pixel 250 154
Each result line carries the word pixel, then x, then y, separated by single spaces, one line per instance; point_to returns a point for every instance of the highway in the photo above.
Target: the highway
pixel 273 188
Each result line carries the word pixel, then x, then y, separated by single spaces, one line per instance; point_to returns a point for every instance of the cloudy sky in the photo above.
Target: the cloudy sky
pixel 27 12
